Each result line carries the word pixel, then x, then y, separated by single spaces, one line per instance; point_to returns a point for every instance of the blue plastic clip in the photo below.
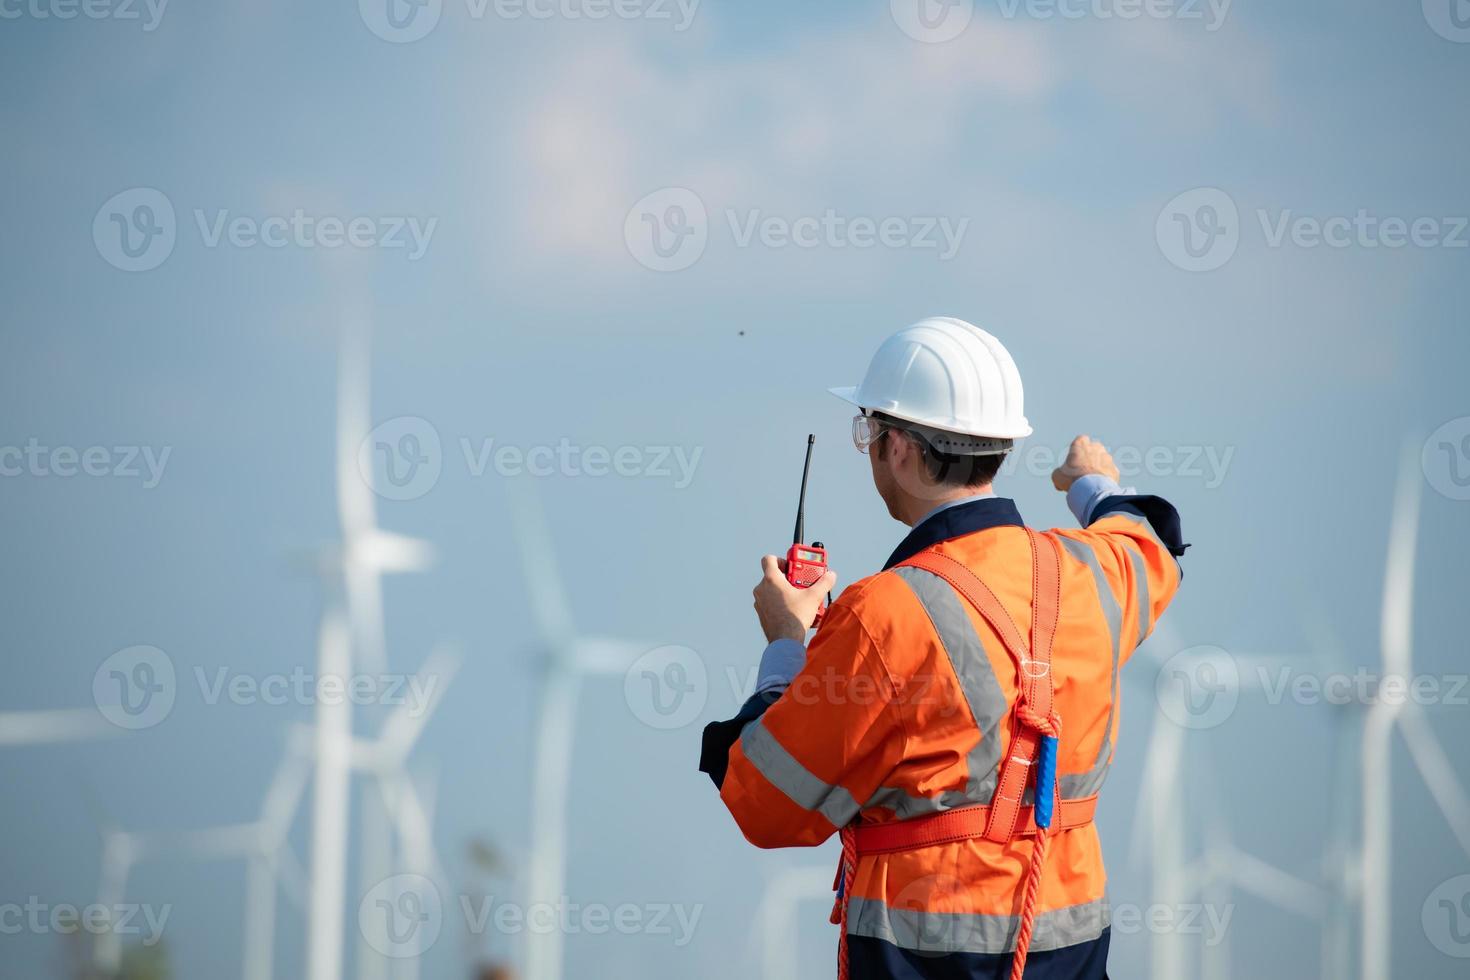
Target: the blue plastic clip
pixel 1046 780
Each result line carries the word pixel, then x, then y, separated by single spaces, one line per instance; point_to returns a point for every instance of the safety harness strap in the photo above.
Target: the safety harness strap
pixel 968 823
pixel 1036 730
pixel 1035 699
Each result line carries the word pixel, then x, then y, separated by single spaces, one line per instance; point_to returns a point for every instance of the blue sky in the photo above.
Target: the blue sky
pixel 529 319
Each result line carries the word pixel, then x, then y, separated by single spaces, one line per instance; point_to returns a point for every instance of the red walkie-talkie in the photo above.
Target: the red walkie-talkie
pixel 806 563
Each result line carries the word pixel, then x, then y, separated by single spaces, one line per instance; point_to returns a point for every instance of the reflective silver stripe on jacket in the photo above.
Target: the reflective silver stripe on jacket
pixel 987 702
pixel 792 778
pixel 974 932
pixel 1075 786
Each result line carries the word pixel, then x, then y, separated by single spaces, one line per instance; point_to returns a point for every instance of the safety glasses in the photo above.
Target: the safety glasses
pixel 865 431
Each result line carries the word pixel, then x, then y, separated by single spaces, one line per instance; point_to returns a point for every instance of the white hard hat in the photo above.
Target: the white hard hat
pixel 945 374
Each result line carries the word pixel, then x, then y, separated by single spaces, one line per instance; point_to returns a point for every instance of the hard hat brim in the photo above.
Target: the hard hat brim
pixel 849 393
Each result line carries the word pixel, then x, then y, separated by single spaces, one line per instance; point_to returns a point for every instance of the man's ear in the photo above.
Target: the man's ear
pixel 904 450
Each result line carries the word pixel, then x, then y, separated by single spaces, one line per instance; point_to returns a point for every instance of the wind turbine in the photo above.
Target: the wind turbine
pixel 51 726
pixel 261 843
pixel 1384 715
pixel 351 628
pixel 1164 832
pixel 776 916
pixel 565 658
pixel 397 804
pixel 1223 867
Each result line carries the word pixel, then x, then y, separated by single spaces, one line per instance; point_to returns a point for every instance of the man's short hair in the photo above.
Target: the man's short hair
pixel 947 469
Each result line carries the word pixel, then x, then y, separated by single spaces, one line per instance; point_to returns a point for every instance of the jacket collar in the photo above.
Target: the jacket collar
pixel 953 522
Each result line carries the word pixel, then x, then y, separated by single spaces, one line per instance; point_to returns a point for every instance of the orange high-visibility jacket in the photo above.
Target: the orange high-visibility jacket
pixel 903 709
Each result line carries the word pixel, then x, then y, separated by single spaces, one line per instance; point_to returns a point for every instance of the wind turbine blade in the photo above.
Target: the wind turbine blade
pixel 550 784
pixel 61 725
pixel 1396 636
pixel 406 723
pixel 292 876
pixel 213 842
pixel 1160 771
pixel 258 955
pixel 283 797
pixel 1276 886
pixel 118 855
pixel 354 497
pixel 387 551
pixel 1257 671
pixel 1434 766
pixel 1398 578
pixel 549 606
pixel 414 823
pixel 330 807
pixel 777 916
pixel 365 613
pixel 599 655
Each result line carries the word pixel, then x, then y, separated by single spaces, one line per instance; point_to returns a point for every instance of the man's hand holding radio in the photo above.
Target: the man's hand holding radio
pixel 785 611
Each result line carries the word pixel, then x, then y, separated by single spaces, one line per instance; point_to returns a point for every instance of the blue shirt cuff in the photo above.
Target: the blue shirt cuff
pixel 1088 491
pixel 782 660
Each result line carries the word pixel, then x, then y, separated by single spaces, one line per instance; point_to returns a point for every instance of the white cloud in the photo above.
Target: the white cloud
pixel 862 119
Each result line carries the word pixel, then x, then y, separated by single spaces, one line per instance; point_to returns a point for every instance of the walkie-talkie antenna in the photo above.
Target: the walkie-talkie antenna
pixel 801 501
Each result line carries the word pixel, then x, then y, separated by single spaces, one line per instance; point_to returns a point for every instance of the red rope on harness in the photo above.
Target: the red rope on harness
pixel 846 871
pixel 1047 726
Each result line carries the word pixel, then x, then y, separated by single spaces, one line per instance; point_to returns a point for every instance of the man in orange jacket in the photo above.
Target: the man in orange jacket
pixel 955 714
